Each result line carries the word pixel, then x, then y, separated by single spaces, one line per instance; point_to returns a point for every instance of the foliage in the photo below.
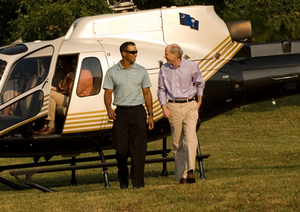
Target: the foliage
pixel 7 13
pixel 51 19
pixel 271 20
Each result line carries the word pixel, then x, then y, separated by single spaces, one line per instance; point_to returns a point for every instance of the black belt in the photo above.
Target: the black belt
pixel 182 101
pixel 127 107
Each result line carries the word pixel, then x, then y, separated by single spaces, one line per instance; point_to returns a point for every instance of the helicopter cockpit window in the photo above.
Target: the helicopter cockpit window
pixel 26 74
pixel 32 70
pixel 90 77
pixel 12 50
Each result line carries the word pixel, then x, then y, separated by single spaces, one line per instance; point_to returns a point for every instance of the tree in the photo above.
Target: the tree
pixel 7 13
pixel 44 20
pixel 272 20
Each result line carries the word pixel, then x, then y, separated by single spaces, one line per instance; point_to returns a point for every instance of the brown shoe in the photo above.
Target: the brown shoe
pixel 41 130
pixel 183 181
pixel 190 177
pixel 47 131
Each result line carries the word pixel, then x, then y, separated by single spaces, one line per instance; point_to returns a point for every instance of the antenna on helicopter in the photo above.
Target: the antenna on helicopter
pixel 122 5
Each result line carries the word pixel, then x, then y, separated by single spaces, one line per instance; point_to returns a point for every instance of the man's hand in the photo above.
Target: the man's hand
pixel 149 104
pixel 111 114
pixel 107 101
pixel 199 101
pixel 166 112
pixel 150 122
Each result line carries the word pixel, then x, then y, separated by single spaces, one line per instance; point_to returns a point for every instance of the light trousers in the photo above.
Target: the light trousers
pixel 56 99
pixel 183 121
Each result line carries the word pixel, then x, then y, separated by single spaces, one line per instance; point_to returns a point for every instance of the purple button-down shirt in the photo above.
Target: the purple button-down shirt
pixel 179 83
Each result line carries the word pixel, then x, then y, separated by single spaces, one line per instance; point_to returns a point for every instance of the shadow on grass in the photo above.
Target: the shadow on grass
pixel 54 181
pixel 219 173
pixel 266 106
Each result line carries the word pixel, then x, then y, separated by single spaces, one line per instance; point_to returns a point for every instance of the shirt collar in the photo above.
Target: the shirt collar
pixel 120 67
pixel 181 62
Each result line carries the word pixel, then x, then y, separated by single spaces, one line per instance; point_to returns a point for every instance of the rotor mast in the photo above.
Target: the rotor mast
pixel 121 5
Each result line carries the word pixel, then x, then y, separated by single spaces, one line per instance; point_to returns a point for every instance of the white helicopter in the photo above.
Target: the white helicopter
pixel 236 73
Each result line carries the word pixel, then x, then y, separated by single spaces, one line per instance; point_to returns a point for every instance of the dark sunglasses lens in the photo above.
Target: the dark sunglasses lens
pixel 132 52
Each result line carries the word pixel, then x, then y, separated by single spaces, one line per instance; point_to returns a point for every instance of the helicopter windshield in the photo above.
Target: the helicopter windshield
pixel 24 75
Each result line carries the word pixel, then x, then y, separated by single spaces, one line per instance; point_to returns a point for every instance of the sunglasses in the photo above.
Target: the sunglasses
pixel 132 52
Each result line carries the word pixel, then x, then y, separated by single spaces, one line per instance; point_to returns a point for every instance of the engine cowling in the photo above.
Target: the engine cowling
pixel 240 30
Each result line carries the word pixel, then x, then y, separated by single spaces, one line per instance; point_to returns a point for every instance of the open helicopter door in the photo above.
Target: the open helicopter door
pixel 87 113
pixel 25 86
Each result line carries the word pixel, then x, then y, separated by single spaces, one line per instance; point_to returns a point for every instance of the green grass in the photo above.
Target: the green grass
pixel 254 166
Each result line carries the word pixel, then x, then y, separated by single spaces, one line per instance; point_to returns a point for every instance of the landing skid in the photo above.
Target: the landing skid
pixel 25 176
pixel 12 184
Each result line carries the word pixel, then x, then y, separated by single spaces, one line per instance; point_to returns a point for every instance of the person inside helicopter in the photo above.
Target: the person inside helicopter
pixel 61 98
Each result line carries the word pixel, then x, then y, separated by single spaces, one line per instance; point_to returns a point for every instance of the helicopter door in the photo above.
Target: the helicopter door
pixel 25 92
pixel 85 109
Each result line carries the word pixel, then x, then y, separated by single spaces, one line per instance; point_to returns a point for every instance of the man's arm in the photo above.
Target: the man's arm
pixel 199 99
pixel 166 111
pixel 162 96
pixel 199 82
pixel 107 101
pixel 65 82
pixel 149 104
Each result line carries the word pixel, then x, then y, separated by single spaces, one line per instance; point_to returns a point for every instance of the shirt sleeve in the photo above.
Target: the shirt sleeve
pixel 198 80
pixel 146 81
pixel 108 81
pixel 161 91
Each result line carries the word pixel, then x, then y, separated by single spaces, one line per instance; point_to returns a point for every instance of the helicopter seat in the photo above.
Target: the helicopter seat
pixel 30 102
pixel 21 85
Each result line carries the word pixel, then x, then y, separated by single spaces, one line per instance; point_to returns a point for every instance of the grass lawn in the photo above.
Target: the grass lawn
pixel 254 166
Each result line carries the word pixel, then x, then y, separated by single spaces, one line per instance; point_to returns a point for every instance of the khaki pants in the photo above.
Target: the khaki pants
pixel 56 99
pixel 183 123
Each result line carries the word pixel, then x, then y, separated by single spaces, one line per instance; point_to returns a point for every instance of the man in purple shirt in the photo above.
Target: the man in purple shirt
pixel 180 91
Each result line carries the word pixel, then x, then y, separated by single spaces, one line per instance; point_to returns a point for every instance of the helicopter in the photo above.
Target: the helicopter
pixel 236 73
